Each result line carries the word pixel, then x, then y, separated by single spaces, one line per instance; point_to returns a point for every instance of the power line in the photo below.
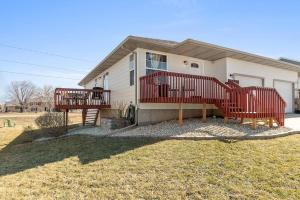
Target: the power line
pixel 39 65
pixel 39 75
pixel 44 52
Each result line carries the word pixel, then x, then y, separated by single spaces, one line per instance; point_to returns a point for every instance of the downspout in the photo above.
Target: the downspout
pixel 136 89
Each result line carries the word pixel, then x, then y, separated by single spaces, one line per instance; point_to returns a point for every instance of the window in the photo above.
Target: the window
pixel 105 81
pixel 131 69
pixel 194 65
pixel 131 62
pixel 131 79
pixel 155 62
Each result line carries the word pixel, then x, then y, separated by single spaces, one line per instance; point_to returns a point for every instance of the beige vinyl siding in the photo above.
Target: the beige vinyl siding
pixel 175 63
pixel 218 70
pixel 118 82
pixel 268 73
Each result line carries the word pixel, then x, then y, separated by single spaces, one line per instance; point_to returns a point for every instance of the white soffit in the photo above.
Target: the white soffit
pixel 189 47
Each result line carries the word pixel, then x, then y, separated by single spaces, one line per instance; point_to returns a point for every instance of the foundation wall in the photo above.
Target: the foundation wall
pixel 151 116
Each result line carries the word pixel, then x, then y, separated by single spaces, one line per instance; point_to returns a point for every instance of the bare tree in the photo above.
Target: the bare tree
pixel 45 95
pixel 21 92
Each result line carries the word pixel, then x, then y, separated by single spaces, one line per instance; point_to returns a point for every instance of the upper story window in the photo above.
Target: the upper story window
pixel 131 69
pixel 131 62
pixel 194 65
pixel 155 62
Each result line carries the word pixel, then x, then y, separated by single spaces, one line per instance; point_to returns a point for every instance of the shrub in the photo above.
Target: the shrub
pixel 121 108
pixel 53 123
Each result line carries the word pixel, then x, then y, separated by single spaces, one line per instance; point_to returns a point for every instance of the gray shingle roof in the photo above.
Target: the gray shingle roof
pixel 295 62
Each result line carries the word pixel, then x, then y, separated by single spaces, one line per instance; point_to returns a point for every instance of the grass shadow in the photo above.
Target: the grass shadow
pixel 20 155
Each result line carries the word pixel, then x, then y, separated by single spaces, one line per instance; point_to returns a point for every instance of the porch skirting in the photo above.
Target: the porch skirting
pixel 152 116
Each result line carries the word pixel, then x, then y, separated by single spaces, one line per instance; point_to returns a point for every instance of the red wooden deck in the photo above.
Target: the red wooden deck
pixel 230 98
pixel 68 98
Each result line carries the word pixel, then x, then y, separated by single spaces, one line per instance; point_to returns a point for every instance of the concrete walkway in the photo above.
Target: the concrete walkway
pixel 292 121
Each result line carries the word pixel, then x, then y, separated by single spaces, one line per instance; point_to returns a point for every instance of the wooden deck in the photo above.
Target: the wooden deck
pixel 69 98
pixel 233 101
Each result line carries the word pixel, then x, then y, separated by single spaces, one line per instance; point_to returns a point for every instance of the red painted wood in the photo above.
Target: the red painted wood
pixel 230 98
pixel 69 98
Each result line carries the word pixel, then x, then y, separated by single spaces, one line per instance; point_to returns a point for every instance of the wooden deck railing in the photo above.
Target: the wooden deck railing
pixel 68 98
pixel 231 99
pixel 170 87
pixel 257 102
pixel 233 83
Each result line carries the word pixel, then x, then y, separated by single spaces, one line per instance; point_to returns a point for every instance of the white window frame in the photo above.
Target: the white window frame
pixel 200 66
pixel 131 68
pixel 131 62
pixel 149 68
pixel 105 81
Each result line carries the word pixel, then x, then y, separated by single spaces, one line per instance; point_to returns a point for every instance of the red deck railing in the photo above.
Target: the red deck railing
pixel 231 99
pixel 257 102
pixel 67 98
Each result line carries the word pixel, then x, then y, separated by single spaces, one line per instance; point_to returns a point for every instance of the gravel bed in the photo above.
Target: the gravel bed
pixel 214 127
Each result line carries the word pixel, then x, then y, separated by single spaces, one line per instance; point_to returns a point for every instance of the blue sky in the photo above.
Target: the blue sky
pixel 88 30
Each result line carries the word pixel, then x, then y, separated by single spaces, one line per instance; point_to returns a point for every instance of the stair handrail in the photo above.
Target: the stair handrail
pixel 233 83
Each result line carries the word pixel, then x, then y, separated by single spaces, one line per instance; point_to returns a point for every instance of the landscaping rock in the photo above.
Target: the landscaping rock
pixel 214 127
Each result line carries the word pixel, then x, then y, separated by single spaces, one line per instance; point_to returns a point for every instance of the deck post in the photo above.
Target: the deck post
pixel 204 113
pixel 225 119
pixel 254 123
pixel 270 122
pixel 180 117
pixel 67 119
pixel 64 118
pixel 84 111
pixel 242 120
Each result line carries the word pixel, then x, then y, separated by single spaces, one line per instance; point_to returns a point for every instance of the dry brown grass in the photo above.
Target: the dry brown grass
pixel 81 167
pixel 23 121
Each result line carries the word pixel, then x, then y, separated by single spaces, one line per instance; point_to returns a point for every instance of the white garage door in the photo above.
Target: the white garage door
pixel 285 89
pixel 246 81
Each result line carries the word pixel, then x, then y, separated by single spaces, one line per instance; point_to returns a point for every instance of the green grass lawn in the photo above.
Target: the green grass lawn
pixel 81 167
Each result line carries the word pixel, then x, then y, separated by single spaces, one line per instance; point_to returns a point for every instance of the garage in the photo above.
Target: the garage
pixel 247 81
pixel 285 89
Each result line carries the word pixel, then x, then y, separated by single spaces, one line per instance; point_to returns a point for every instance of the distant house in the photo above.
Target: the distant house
pixel 11 106
pixel 35 105
pixel 39 105
pixel 161 77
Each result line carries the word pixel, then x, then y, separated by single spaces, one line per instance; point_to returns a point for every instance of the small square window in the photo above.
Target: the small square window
pixel 194 65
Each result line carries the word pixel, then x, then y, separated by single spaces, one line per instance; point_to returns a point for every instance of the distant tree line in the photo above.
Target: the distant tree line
pixel 25 93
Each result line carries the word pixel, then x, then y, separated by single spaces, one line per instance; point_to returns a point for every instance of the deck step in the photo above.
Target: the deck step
pixel 91 115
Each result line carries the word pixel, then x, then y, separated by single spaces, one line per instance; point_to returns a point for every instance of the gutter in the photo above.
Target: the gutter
pixel 136 88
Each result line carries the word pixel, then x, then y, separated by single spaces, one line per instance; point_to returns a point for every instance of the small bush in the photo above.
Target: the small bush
pixel 52 122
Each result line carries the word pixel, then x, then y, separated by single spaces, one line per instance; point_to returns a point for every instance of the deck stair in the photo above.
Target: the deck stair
pixel 90 117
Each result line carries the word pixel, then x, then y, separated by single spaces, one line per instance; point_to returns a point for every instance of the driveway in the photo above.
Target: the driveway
pixel 293 121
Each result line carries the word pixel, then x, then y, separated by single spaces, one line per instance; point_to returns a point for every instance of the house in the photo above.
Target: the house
pixel 167 79
pixel 34 105
pixel 37 104
pixel 11 106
